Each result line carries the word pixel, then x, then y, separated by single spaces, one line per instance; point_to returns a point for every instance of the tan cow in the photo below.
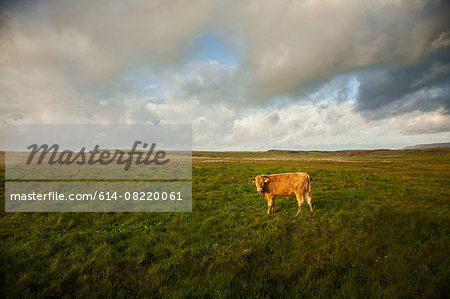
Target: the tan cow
pixel 284 184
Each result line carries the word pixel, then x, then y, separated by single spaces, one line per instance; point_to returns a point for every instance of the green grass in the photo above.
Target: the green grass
pixel 378 230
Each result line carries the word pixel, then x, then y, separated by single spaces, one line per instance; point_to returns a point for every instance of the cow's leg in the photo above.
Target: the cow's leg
pixel 300 203
pixel 273 205
pixel 308 200
pixel 270 203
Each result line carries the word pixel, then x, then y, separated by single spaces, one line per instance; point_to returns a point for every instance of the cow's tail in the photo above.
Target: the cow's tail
pixel 307 193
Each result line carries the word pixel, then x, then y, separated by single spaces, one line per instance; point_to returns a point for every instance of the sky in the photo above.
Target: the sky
pixel 248 75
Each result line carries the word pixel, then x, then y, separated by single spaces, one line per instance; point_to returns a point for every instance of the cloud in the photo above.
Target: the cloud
pixel 315 125
pixel 391 90
pixel 324 73
pixel 415 123
pixel 290 43
pixel 211 82
pixel 443 41
pixel 69 57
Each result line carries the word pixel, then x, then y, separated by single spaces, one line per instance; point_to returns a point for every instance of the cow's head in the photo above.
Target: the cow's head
pixel 260 181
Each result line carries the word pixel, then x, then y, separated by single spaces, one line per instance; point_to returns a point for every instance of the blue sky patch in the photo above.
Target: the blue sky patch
pixel 210 47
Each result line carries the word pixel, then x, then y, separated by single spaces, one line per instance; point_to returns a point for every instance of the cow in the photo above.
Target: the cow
pixel 284 184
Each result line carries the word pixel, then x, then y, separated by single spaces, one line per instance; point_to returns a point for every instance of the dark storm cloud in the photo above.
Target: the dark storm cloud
pixel 392 90
pixel 292 43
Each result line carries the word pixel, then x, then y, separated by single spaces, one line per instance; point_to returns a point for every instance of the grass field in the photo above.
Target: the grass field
pixel 380 229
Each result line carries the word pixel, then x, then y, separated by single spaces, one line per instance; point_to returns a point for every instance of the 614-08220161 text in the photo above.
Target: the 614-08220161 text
pixel 102 195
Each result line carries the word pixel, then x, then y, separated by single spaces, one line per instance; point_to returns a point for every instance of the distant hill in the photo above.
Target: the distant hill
pixel 430 145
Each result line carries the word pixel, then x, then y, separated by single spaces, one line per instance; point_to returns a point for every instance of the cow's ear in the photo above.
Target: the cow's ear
pixel 253 180
pixel 266 179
